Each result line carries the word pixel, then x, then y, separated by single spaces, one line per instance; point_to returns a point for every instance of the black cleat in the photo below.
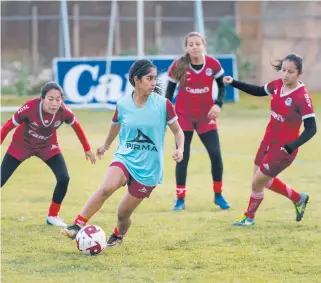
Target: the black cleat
pixel 71 231
pixel 114 240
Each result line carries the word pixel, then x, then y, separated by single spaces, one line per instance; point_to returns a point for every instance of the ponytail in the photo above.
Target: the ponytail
pixel 182 66
pixel 278 65
pixel 296 59
pixel 185 61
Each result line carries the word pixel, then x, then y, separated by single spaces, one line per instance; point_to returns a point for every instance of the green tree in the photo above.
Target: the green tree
pixel 225 40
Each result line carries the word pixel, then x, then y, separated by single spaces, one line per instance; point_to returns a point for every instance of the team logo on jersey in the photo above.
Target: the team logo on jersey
pixel 57 123
pixel 141 142
pixel 209 72
pixel 288 101
pixel 46 121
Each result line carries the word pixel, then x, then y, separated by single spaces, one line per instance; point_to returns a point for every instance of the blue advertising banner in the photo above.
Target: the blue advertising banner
pixel 86 84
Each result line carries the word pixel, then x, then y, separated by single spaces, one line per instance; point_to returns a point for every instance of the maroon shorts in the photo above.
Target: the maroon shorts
pixel 135 188
pixel 200 124
pixel 22 152
pixel 272 160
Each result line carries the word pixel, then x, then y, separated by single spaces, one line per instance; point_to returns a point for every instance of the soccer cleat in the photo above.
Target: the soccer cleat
pixel 56 221
pixel 71 231
pixel 301 205
pixel 179 205
pixel 221 202
pixel 244 221
pixel 114 240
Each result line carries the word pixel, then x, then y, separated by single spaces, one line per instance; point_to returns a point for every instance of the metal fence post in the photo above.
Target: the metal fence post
pixel 34 40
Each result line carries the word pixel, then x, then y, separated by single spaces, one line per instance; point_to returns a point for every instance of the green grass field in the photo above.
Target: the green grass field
pixel 197 245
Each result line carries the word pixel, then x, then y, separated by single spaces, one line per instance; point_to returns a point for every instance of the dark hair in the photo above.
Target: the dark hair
pixel 296 59
pixel 141 68
pixel 184 61
pixel 49 86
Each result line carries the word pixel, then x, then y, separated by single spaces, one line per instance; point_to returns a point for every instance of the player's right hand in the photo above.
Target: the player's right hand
pixel 227 80
pixel 101 150
pixel 178 155
pixel 91 156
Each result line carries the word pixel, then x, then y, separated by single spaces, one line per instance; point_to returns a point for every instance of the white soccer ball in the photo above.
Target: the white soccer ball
pixel 91 240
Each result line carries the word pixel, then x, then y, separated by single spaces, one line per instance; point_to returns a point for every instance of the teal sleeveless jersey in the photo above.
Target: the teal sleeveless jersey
pixel 141 138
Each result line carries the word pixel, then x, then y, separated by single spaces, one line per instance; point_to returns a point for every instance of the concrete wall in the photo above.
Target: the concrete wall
pixel 272 39
pixel 278 32
pixel 16 36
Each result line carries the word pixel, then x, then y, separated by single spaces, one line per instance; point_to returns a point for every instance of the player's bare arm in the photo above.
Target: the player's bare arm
pixel 179 138
pixel 113 133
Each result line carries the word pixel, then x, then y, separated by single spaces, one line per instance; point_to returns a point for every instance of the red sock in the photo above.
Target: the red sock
pixel 276 185
pixel 180 191
pixel 80 221
pixel 254 203
pixel 217 187
pixel 116 232
pixel 54 209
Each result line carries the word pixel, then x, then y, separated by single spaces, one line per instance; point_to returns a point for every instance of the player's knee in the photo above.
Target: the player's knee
pixel 122 216
pixel 108 188
pixel 257 186
pixel 63 178
pixel 215 154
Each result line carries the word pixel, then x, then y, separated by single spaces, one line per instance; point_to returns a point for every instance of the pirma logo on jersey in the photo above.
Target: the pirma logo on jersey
pixel 142 190
pixel 141 142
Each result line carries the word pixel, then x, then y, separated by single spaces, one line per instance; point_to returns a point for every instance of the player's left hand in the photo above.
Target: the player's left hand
pixel 91 156
pixel 178 155
pixel 214 111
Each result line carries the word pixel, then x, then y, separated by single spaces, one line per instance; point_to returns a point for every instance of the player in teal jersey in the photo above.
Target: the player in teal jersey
pixel 140 120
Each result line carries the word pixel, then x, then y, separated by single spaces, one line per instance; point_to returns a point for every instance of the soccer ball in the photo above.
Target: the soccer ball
pixel 91 240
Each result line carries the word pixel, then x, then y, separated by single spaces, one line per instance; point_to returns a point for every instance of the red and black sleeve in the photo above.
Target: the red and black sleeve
pixel 81 135
pixel 6 128
pixel 248 88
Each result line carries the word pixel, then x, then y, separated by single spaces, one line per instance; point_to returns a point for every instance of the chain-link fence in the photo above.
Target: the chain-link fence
pixel 31 32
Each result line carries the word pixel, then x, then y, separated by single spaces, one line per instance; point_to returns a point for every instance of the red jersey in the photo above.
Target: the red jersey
pixel 36 128
pixel 288 110
pixel 195 97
